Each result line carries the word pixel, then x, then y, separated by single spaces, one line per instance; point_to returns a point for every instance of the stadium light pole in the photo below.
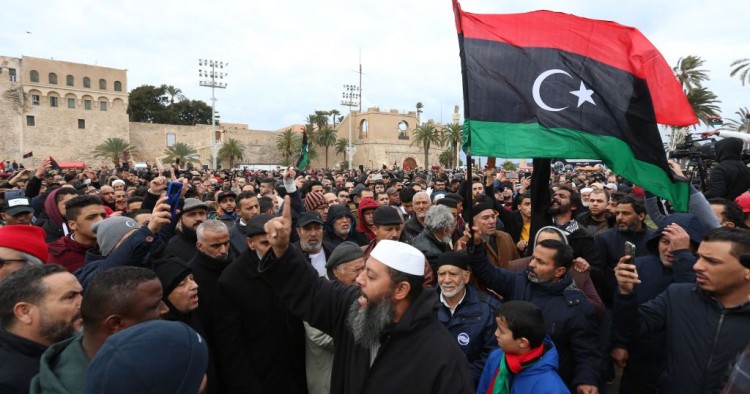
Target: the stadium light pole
pixel 211 74
pixel 350 98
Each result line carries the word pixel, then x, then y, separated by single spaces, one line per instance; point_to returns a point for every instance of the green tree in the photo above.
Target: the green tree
pixel 190 112
pixel 741 66
pixel 288 144
pixel 334 116
pixel 182 151
pixel 742 123
pixel 326 138
pixel 704 103
pixel 231 151
pixel 426 136
pixel 341 145
pixel 114 148
pixel 321 119
pixel 145 105
pixel 452 132
pixel 419 106
pixel 509 166
pixel 447 158
pixel 689 72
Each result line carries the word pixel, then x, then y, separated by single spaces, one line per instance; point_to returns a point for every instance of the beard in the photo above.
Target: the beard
pixel 456 291
pixel 59 330
pixel 532 276
pixel 369 323
pixel 308 248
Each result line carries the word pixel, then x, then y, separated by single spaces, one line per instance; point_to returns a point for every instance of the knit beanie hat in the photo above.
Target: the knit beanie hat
pixel 458 259
pixel 26 239
pixel 111 230
pixel 156 356
pixel 344 253
pixel 171 271
pixel 314 200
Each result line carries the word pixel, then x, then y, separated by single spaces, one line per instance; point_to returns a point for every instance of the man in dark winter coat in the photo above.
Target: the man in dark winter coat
pixel 81 213
pixel 182 245
pixel 260 344
pixel 670 260
pixel 340 227
pixel 570 318
pixel 435 239
pixel 731 177
pixel 386 334
pixel 706 323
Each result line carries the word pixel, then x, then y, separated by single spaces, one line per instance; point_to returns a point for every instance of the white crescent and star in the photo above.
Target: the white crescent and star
pixel 583 94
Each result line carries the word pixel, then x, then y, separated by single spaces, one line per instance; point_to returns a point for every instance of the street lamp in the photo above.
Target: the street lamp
pixel 211 74
pixel 350 98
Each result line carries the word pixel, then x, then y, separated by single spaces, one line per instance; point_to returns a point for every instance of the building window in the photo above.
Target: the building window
pixel 30 120
pixel 118 86
pixel 12 74
pixel 86 82
pixel 71 103
pixel 52 79
pixel 69 80
pixel 35 99
pixel 171 139
pixel 87 105
pixel 102 105
pixel 53 101
pixel 81 123
pixel 102 84
pixel 34 76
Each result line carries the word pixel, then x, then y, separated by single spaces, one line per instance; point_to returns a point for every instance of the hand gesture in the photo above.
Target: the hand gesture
pixel 468 234
pixel 587 389
pixel 620 356
pixel 581 265
pixel 678 237
pixel 160 216
pixel 709 133
pixel 158 185
pixel 279 229
pixel 44 165
pixel 626 275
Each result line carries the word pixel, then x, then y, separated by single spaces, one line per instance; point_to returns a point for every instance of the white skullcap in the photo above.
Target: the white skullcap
pixel 587 190
pixel 117 181
pixel 399 256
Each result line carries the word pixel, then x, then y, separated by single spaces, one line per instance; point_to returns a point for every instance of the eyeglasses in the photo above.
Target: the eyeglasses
pixel 3 261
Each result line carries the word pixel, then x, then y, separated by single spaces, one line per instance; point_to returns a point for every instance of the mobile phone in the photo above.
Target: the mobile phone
pixel 512 175
pixel 630 251
pixel 174 190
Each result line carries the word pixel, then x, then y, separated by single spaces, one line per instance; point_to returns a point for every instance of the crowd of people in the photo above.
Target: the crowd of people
pixel 371 281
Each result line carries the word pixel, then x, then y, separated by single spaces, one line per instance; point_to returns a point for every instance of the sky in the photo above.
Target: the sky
pixel 288 58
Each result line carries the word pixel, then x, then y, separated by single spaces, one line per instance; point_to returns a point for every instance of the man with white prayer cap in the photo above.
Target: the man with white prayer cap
pixel 386 333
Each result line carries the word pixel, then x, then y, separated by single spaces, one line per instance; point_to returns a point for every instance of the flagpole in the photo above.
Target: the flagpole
pixel 466 129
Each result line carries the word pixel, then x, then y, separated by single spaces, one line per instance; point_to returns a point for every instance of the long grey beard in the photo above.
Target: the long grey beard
pixel 368 324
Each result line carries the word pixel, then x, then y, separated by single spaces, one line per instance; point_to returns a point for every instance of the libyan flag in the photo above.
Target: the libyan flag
pixel 28 154
pixel 304 153
pixel 550 85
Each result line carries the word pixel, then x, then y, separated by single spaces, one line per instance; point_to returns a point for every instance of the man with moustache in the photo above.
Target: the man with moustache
pixel 435 239
pixel 339 227
pixel 182 245
pixel 39 306
pixel 310 231
pixel 387 337
pixel 260 345
pixel 420 203
pixel 596 219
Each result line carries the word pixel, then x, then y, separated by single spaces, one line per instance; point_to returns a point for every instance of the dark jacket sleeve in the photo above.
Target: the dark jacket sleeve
pixel 316 300
pixel 717 186
pixel 297 208
pixel 631 321
pixel 33 187
pixel 585 347
pixel 499 280
pixel 489 341
pixel 149 201
pixel 682 267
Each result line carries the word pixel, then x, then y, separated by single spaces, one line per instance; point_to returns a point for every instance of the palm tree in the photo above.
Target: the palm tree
pixel 334 116
pixel 114 148
pixel 321 119
pixel 173 93
pixel 419 110
pixel 452 132
pixel 704 103
pixel 341 145
pixel 232 150
pixel 446 159
pixel 288 143
pixel 689 73
pixel 741 66
pixel 425 136
pixel 743 124
pixel 182 151
pixel 326 138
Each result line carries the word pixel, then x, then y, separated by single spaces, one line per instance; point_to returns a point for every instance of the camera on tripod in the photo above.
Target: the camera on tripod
pixel 691 149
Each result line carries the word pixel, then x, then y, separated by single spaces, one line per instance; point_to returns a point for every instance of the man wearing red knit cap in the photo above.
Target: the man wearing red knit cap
pixel 21 246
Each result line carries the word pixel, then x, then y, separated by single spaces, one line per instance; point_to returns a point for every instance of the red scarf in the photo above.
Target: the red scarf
pixel 516 362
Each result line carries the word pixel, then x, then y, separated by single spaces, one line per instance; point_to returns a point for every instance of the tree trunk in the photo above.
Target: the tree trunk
pixel 426 155
pixel 326 157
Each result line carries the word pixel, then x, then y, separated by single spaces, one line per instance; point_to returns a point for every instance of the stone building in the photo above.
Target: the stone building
pixel 64 109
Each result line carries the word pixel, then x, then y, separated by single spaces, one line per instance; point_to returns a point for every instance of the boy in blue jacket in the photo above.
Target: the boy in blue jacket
pixel 526 361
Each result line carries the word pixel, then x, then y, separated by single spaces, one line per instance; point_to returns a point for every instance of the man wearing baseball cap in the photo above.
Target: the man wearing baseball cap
pixel 21 246
pixel 386 334
pixel 17 208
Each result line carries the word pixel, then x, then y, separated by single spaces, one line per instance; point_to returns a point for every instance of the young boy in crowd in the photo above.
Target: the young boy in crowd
pixel 526 361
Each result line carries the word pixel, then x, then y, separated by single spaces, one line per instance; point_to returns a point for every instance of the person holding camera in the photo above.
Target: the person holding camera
pixel 731 177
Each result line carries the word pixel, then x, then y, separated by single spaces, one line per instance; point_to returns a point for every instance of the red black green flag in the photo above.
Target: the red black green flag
pixel 304 153
pixel 28 154
pixel 550 85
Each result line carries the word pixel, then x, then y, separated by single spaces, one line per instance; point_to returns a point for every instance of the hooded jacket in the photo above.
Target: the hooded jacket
pixel 571 320
pixel 330 239
pixel 366 203
pixel 540 377
pixel 731 177
pixel 62 369
pixel 19 362
pixel 408 360
pixel 68 253
pixel 430 246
